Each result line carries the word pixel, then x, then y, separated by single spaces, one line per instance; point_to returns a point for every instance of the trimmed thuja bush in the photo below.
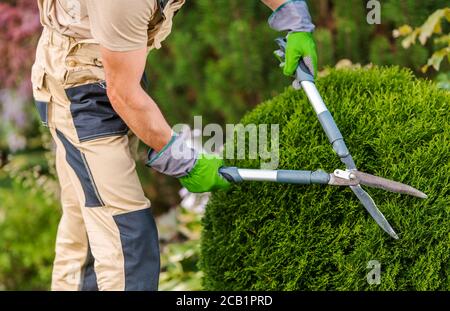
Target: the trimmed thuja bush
pixel 264 236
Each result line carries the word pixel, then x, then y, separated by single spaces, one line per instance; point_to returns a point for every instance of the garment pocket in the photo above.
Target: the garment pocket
pixel 40 92
pixel 92 113
pixel 83 64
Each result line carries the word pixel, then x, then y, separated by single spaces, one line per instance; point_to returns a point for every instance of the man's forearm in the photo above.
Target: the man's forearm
pixel 142 115
pixel 273 4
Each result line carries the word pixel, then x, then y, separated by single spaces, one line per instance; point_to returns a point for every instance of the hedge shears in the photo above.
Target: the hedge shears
pixel 350 177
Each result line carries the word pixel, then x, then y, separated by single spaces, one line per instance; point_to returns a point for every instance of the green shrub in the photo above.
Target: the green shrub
pixel 28 222
pixel 264 236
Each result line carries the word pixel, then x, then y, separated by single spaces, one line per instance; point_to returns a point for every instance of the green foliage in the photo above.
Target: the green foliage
pixel 29 215
pixel 215 65
pixel 179 258
pixel 412 12
pixel 264 236
pixel 443 81
pixel 382 53
pixel 179 269
pixel 352 30
pixel 324 43
pixel 432 26
pixel 28 221
pixel 218 61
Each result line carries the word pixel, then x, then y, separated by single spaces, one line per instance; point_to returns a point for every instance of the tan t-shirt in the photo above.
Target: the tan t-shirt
pixel 119 25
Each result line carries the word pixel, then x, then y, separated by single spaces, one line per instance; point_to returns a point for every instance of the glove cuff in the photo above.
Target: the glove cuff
pixel 176 159
pixel 292 16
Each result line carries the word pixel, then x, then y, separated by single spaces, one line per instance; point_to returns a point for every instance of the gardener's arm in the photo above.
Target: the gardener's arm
pixel 293 16
pixel 123 76
pixel 169 153
pixel 273 4
pixel 121 29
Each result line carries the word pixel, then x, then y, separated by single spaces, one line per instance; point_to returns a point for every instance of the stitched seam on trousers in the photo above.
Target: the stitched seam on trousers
pixel 91 137
pixel 94 186
pixel 75 160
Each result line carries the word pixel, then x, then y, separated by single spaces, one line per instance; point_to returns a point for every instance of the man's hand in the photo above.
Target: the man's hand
pixel 124 72
pixel 205 176
pixel 293 16
pixel 300 45
pixel 197 172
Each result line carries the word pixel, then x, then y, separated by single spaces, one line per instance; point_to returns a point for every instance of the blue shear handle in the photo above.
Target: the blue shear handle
pixel 234 174
pixel 231 174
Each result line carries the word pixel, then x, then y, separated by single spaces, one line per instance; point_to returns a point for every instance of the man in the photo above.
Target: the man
pixel 87 85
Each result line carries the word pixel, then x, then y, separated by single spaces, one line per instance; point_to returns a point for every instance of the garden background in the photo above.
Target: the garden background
pixel 217 63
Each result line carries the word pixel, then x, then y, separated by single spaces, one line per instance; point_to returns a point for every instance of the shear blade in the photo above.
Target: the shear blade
pixel 386 184
pixel 371 207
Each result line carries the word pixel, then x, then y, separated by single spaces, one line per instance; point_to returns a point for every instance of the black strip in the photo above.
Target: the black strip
pixel 75 159
pixel 88 169
pixel 230 300
pixel 162 3
pixel 89 277
pixel 42 108
pixel 92 113
pixel 139 237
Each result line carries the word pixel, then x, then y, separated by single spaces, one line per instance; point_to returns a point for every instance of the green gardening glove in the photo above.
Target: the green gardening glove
pixel 294 18
pixel 300 45
pixel 197 172
pixel 204 176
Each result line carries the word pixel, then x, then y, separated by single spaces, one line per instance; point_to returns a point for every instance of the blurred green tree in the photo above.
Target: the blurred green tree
pixel 218 60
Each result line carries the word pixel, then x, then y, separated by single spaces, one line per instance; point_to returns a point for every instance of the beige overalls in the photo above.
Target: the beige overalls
pixel 107 238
